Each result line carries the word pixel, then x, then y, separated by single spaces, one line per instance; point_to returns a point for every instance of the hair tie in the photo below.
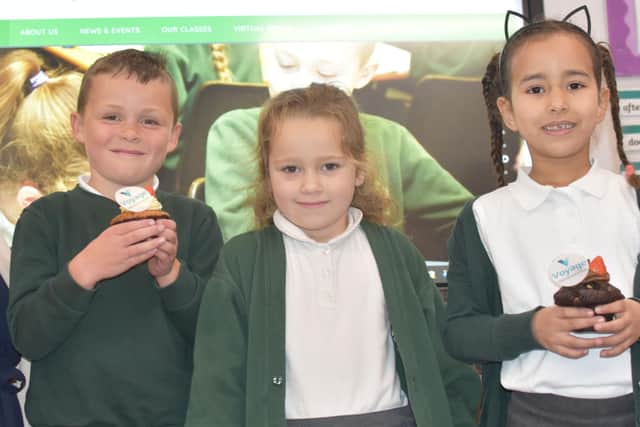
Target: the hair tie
pixel 38 80
pixel 629 170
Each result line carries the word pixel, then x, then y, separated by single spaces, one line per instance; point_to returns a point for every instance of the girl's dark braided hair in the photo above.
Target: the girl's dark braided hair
pixel 491 92
pixel 610 77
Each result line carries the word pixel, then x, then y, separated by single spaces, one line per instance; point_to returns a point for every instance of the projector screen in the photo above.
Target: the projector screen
pixel 428 58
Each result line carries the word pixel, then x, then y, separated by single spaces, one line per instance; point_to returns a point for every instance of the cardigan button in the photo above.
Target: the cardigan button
pixel 277 380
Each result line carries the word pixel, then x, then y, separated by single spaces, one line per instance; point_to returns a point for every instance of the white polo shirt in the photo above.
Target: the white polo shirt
pixel 523 227
pixel 340 357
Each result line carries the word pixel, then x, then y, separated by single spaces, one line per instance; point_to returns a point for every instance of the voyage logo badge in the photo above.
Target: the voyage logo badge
pixel 136 199
pixel 568 269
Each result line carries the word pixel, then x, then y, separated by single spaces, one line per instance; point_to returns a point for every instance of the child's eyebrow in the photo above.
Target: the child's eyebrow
pixel 576 73
pixel 530 77
pixel 319 159
pixel 113 106
pixel 541 76
pixel 332 157
pixel 150 110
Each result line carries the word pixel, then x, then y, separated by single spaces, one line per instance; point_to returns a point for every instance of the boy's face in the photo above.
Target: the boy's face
pixel 294 65
pixel 127 130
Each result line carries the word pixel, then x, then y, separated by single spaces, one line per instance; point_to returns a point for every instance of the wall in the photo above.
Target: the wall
pixel 599 32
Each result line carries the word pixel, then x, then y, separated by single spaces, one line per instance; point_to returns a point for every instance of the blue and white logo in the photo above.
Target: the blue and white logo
pixel 568 269
pixel 136 199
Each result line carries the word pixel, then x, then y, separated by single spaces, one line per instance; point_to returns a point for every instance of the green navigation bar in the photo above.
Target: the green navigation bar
pixel 247 29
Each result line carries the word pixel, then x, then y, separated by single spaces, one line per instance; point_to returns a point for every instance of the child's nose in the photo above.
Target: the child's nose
pixel 129 132
pixel 558 101
pixel 310 182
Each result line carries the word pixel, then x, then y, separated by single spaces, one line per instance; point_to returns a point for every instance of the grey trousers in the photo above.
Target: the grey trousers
pixel 399 417
pixel 549 410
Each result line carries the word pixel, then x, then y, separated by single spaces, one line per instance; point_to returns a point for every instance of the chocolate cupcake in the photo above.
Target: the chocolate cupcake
pixel 592 291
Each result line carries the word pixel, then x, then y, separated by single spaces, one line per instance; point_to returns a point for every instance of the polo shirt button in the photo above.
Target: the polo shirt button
pixel 277 380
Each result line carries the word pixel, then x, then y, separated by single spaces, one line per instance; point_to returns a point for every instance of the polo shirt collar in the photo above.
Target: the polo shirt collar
pixel 289 229
pixel 6 229
pixel 83 182
pixel 530 194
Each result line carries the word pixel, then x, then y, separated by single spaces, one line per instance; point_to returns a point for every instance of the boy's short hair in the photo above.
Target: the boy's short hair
pixel 144 66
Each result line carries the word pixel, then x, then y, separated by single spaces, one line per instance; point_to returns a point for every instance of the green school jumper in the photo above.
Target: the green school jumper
pixel 239 374
pixel 120 355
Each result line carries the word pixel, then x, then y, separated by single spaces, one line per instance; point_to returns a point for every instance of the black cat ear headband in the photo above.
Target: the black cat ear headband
pixel 508 37
pixel 527 21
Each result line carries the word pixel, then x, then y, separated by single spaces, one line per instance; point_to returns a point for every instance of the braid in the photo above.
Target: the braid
pixel 491 92
pixel 220 60
pixel 610 77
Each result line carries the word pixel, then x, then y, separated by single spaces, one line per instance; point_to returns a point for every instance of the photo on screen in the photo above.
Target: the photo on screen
pixel 414 71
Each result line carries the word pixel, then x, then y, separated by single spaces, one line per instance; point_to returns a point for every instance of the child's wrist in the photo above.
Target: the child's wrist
pixel 82 276
pixel 169 278
pixel 634 299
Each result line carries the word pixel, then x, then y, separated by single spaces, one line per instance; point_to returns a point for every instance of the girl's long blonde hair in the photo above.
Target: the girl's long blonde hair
pixel 320 100
pixel 36 143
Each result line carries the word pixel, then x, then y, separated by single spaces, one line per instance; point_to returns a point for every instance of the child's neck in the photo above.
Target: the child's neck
pixel 559 173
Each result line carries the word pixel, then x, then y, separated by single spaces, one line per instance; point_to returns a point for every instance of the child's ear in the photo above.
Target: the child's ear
pixel 76 126
pixel 506 111
pixel 603 103
pixel 365 75
pixel 27 194
pixel 175 137
pixel 360 176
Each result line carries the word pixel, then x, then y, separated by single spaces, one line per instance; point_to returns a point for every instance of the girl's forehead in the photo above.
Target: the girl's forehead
pixel 547 50
pixel 551 42
pixel 307 131
pixel 303 120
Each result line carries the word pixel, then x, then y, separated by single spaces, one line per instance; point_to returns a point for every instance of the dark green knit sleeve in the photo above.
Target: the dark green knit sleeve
pixel 218 387
pixel 199 244
pixel 461 382
pixel 477 330
pixel 45 303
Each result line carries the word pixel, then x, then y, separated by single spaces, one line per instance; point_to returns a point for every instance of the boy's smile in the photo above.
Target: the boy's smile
pixel 127 129
pixel 312 179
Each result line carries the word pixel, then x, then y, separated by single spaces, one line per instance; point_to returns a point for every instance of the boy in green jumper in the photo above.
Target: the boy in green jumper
pixel 107 313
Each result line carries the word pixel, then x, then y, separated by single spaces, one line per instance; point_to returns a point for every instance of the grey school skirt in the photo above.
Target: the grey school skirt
pixel 399 417
pixel 549 410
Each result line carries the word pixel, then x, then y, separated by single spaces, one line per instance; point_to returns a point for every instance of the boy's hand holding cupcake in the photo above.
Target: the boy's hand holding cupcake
pixel 145 235
pixel 140 203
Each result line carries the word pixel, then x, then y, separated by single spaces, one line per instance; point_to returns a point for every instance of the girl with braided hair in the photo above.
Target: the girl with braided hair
pixel 508 246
